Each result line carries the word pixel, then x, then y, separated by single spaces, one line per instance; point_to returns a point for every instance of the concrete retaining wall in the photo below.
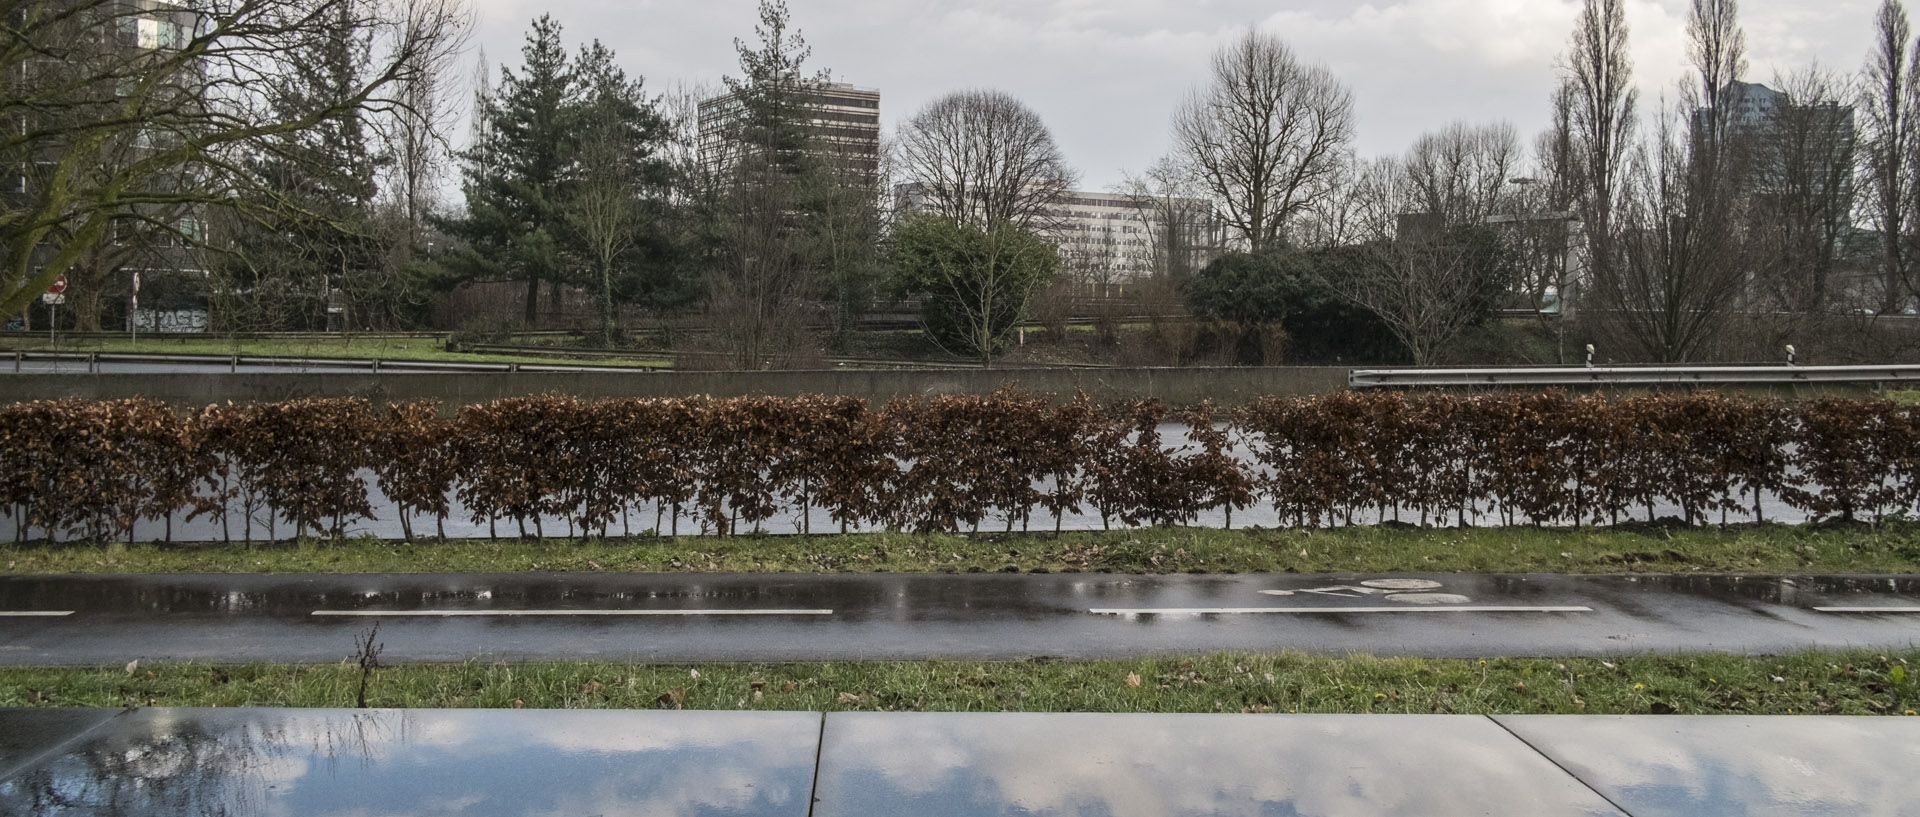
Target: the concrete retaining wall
pixel 1177 386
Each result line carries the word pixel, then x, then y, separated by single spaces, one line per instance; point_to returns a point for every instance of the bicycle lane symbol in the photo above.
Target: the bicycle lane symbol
pixel 1405 591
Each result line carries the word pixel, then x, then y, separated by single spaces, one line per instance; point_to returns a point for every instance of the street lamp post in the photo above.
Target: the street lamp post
pixel 1561 248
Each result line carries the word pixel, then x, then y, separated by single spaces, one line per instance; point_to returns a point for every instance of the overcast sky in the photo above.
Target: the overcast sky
pixel 1105 75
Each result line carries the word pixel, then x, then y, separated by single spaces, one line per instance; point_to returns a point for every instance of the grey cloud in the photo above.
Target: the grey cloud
pixel 1106 74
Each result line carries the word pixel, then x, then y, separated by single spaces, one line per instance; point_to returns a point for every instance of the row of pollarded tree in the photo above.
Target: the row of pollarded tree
pixel 950 463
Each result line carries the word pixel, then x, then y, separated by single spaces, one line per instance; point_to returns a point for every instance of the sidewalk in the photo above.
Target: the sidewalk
pixel 588 762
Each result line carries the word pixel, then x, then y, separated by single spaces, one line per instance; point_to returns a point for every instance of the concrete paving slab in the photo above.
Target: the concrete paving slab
pixel 965 765
pixel 428 762
pixel 26 734
pixel 1710 765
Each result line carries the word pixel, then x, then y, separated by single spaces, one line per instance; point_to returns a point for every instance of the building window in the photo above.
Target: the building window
pixel 152 34
pixel 192 229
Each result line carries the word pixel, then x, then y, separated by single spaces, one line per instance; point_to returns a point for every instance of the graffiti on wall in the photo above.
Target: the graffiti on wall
pixel 171 320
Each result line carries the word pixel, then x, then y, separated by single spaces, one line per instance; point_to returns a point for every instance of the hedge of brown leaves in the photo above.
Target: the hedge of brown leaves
pixel 951 463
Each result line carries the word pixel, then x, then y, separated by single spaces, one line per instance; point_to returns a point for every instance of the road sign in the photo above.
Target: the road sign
pixel 58 287
pixel 53 298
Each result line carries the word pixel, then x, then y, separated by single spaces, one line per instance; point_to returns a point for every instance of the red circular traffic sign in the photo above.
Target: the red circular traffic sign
pixel 58 286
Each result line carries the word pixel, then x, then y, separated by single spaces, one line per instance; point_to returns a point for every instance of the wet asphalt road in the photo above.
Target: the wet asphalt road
pixel 724 617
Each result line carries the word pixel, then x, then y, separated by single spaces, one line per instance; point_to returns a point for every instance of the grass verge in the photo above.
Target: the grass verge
pixel 432 349
pixel 1887 548
pixel 1828 683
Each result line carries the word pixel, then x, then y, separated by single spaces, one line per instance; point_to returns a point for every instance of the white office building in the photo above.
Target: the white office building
pixel 1114 239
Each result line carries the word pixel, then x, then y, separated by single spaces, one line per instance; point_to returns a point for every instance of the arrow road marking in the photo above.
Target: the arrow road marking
pixel 1409 591
pixel 1868 609
pixel 1202 611
pixel 447 613
pixel 34 613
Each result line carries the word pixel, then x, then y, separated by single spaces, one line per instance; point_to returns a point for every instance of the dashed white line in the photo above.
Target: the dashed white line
pixel 34 613
pixel 1868 609
pixel 1200 611
pixel 448 613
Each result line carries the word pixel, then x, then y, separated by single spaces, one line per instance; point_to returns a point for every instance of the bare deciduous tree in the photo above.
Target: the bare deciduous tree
pixel 1682 256
pixel 980 158
pixel 1599 72
pixel 1429 266
pixel 1460 173
pixel 1267 137
pixel 1890 133
pixel 1537 225
pixel 1717 48
pixel 1802 194
pixel 605 211
pixel 1171 215
pixel 1677 271
pixel 192 85
pixel 415 137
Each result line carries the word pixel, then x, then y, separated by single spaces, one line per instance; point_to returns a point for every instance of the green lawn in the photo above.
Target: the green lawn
pixel 384 348
pixel 1889 548
pixel 1840 683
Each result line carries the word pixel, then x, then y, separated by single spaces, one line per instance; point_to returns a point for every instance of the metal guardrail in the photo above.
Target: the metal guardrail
pixel 1638 375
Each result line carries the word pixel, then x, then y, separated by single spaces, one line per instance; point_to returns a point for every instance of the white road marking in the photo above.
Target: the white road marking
pixel 34 613
pixel 1202 611
pixel 1341 591
pixel 1401 584
pixel 443 613
pixel 1428 598
pixel 1868 609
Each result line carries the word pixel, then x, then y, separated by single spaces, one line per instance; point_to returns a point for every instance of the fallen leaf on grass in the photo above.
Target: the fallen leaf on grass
pixel 849 698
pixel 1133 679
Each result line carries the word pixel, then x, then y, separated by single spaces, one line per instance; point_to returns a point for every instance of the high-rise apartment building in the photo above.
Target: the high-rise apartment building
pixel 842 122
pixel 1788 142
pixel 1798 159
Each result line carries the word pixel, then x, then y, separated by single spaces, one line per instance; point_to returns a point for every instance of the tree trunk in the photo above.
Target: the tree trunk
pixel 87 279
pixel 606 302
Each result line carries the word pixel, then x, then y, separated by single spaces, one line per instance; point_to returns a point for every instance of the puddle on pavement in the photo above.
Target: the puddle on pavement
pixel 426 762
